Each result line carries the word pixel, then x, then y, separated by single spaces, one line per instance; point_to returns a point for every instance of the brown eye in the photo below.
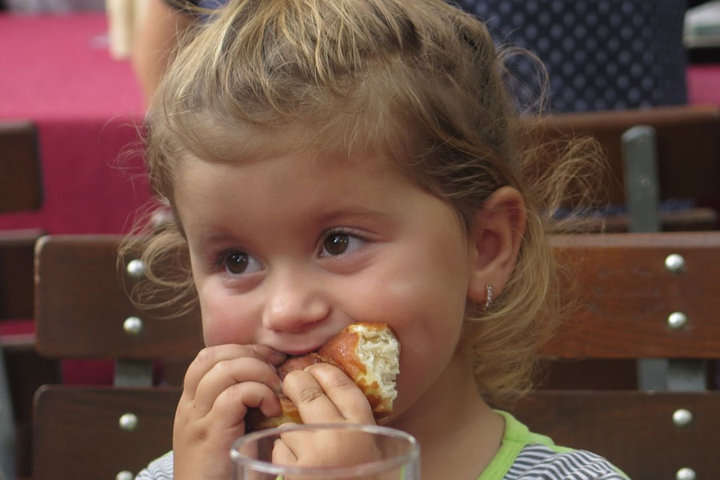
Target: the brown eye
pixel 336 243
pixel 236 262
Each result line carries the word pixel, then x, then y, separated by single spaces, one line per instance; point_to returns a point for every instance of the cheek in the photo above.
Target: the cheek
pixel 429 331
pixel 224 319
pixel 426 302
pixel 425 310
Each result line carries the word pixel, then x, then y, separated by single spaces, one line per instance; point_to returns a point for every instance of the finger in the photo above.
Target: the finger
pixel 308 396
pixel 226 373
pixel 347 397
pixel 209 356
pixel 305 392
pixel 282 454
pixel 230 407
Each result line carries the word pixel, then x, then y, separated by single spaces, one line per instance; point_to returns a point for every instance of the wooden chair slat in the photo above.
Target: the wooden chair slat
pixel 67 448
pixel 16 273
pixel 623 315
pixel 92 325
pixel 20 171
pixel 682 220
pixel 634 429
pixel 626 294
pixel 620 120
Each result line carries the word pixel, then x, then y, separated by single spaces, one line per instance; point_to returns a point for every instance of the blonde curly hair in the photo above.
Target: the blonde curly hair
pixel 420 81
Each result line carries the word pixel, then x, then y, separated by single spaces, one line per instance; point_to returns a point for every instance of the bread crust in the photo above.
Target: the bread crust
pixel 341 351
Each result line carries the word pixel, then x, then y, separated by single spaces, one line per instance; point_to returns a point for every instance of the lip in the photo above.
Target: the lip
pixel 295 347
pixel 297 344
pixel 297 352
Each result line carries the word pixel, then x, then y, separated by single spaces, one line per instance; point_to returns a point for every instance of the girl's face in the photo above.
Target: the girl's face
pixel 287 251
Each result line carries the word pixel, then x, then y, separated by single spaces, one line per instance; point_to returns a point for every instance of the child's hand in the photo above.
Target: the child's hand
pixel 325 394
pixel 220 385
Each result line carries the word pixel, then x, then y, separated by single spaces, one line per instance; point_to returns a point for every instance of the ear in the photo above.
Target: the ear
pixel 495 236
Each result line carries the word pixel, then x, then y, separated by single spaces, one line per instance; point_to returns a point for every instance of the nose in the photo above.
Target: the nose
pixel 296 303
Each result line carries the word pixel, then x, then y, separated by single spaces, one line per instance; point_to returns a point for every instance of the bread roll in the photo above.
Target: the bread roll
pixel 367 352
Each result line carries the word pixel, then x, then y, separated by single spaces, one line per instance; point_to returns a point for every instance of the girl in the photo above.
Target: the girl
pixel 334 161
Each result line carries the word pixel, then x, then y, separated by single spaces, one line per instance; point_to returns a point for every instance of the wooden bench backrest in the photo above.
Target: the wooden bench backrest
pixel 627 295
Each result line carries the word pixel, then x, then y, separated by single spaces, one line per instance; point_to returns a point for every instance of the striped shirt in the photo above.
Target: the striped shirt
pixel 538 462
pixel 523 455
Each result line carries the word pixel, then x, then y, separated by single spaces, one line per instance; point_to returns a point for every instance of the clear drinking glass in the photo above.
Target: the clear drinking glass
pixel 327 451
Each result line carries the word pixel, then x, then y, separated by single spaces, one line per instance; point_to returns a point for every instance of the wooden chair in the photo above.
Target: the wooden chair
pixel 25 371
pixel 655 155
pixel 641 296
pixel 21 187
pixel 82 311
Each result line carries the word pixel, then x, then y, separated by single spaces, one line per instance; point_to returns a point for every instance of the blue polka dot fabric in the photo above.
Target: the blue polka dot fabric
pixel 599 54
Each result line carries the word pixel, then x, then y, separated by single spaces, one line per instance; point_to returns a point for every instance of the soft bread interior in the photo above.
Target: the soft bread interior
pixel 379 351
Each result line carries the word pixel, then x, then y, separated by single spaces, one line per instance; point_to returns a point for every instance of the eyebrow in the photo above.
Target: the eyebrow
pixel 353 212
pixel 213 235
pixel 217 235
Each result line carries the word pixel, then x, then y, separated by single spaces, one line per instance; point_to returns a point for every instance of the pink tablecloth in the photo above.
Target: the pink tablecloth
pixel 56 71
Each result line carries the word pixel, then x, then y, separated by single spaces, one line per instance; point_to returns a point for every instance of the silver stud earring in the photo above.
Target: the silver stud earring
pixel 488 296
